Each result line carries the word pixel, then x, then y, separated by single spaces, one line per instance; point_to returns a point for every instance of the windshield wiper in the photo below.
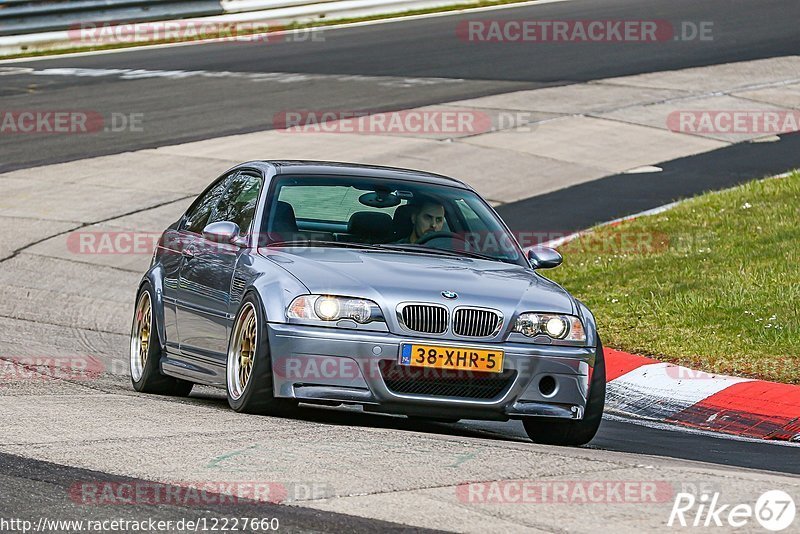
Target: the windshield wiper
pixel 390 247
pixel 431 250
pixel 318 243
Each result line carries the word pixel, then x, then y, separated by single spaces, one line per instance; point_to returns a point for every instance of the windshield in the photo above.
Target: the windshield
pixel 386 214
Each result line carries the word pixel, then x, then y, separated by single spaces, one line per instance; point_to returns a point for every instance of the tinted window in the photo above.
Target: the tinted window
pixel 238 203
pixel 337 203
pixel 334 203
pixel 198 215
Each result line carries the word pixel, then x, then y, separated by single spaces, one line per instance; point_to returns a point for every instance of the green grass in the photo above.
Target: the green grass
pixel 712 284
pixel 320 23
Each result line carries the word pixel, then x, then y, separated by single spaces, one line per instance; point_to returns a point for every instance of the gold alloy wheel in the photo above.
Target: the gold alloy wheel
pixel 140 335
pixel 242 351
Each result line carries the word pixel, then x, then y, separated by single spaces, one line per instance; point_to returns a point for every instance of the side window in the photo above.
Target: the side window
pixel 238 203
pixel 198 215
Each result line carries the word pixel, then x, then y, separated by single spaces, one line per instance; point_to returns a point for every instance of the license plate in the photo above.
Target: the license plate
pixel 456 358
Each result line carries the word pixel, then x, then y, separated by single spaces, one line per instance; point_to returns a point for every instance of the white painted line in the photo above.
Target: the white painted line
pixel 14 71
pixel 439 14
pixel 560 241
pixel 555 243
pixel 765 139
pixel 645 213
pixel 278 77
pixel 644 169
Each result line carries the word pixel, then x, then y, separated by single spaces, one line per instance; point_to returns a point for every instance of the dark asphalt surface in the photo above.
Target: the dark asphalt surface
pixel 742 30
pixel 614 434
pixel 31 490
pixel 620 195
pixel 179 110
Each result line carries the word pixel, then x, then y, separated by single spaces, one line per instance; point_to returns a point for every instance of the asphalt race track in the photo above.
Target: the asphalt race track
pixel 393 66
pixel 600 200
pixel 33 489
pixel 178 110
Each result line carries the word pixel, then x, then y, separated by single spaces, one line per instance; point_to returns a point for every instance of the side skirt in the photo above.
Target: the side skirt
pixel 193 370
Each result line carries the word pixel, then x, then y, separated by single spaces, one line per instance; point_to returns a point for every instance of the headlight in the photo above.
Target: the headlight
pixel 332 308
pixel 556 327
pixel 566 327
pixel 327 308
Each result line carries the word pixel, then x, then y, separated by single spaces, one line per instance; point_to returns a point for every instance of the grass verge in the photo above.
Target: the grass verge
pixel 321 23
pixel 712 284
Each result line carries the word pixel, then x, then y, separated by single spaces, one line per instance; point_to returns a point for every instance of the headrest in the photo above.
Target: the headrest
pixel 283 220
pixel 401 220
pixel 370 225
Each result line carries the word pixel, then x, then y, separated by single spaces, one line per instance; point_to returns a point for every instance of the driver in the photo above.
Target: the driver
pixel 426 216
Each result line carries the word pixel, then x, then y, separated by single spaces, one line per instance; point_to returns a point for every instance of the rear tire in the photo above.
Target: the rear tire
pixel 248 370
pixel 145 357
pixel 580 432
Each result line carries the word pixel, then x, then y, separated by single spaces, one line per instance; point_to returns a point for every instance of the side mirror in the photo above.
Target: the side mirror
pixel 225 232
pixel 541 257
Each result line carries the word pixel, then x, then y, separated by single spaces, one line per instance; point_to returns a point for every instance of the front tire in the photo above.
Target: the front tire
pixel 248 372
pixel 145 356
pixel 580 432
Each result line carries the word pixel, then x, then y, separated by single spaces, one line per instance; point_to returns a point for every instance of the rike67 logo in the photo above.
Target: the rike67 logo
pixel 773 510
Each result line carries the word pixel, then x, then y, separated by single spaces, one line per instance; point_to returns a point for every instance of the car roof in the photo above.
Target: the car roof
pixel 317 168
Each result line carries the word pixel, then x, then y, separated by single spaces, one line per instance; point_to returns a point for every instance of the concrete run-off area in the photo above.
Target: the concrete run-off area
pixel 366 465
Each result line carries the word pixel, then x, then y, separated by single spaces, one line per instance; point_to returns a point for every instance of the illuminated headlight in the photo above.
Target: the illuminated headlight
pixel 566 327
pixel 556 327
pixel 332 308
pixel 327 308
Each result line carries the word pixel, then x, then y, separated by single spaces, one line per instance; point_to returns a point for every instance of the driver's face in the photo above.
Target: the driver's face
pixel 430 218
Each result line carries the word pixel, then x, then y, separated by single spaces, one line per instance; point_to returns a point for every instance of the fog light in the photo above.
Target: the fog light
pixel 547 386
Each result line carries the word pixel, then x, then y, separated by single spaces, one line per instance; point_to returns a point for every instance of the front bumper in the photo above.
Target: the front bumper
pixel 330 365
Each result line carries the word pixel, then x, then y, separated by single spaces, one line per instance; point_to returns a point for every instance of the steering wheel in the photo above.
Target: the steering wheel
pixel 442 234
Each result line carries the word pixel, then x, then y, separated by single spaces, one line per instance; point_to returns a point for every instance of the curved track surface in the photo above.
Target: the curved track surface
pixel 366 68
pixel 358 68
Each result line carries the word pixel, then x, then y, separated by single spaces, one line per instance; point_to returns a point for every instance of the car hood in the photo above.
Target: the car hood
pixel 390 278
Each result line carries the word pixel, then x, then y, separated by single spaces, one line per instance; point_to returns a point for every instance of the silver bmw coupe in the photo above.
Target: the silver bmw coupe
pixel 401 291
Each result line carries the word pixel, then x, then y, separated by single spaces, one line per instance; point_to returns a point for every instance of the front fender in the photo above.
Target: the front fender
pixel 589 323
pixel 276 287
pixel 276 294
pixel 155 276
